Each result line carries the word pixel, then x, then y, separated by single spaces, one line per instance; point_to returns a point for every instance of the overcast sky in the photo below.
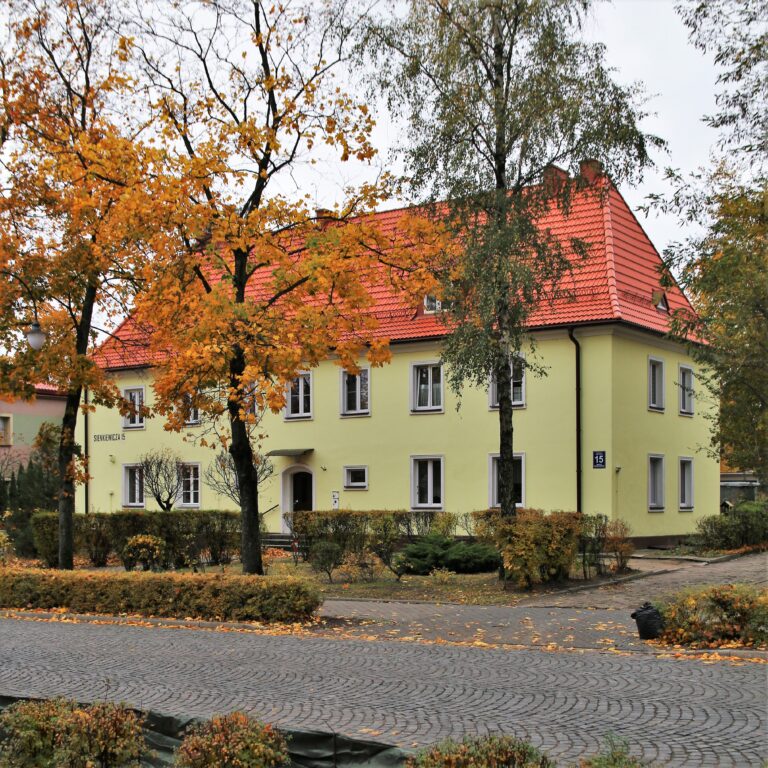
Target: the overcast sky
pixel 646 41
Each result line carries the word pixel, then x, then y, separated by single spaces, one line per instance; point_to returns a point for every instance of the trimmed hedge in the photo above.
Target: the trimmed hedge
pixel 199 596
pixel 190 535
pixel 744 526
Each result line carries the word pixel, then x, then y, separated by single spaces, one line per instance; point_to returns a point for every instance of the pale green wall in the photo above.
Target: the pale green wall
pixel 614 420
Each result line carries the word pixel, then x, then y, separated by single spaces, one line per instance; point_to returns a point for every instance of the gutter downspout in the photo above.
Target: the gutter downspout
pixel 578 421
pixel 87 488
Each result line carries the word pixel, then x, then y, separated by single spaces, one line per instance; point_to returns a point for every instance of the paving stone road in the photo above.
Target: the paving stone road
pixel 679 712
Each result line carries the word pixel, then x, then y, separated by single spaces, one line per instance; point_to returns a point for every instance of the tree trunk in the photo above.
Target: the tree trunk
pixel 242 456
pixel 67 453
pixel 506 440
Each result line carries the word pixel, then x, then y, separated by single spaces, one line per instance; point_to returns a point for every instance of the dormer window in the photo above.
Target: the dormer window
pixel 432 305
pixel 660 301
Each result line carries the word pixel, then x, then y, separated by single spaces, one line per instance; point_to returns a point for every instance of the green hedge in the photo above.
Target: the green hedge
pixel 744 526
pixel 200 596
pixel 190 535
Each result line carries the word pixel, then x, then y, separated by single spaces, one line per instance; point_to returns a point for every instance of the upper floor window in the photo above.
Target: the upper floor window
pixel 299 400
pixel 518 385
pixel 656 483
pixel 133 485
pixel 355 392
pixel 427 387
pixel 433 305
pixel 190 485
pixel 192 412
pixel 518 480
pixel 686 390
pixel 6 430
pixel 427 482
pixel 686 483
pixel 655 384
pixel 135 396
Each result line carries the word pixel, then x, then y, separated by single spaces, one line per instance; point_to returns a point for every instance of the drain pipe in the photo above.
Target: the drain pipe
pixel 578 421
pixel 86 440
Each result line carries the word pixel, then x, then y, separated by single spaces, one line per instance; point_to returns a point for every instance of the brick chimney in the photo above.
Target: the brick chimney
pixel 590 170
pixel 554 179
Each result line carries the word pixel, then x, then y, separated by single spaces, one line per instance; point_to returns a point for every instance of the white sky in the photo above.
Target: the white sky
pixel 646 41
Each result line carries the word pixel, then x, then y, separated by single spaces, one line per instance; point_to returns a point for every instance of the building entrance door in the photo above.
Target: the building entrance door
pixel 301 492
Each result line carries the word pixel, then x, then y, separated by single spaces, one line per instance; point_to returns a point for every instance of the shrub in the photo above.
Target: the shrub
pixel 45 533
pixel 618 544
pixel 744 526
pixel 146 551
pixel 475 557
pixel 484 752
pixel 233 741
pixel 615 754
pixel 5 544
pixel 386 534
pixel 325 557
pixel 61 734
pixel 202 596
pixel 18 525
pixel 535 546
pixel 442 576
pixel 94 534
pixel 423 556
pixel 592 538
pixel 714 616
pixel 361 566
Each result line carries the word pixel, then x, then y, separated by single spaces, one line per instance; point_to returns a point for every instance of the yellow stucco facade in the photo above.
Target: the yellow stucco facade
pixel 616 420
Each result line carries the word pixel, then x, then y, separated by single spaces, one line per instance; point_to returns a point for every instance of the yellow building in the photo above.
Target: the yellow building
pixel 617 426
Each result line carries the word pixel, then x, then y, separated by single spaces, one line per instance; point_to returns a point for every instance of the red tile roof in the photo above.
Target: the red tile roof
pixel 617 282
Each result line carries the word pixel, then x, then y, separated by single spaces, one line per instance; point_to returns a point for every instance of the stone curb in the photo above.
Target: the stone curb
pixel 703 560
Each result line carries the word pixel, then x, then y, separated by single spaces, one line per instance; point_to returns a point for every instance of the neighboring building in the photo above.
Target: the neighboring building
pixel 20 421
pixel 736 486
pixel 393 438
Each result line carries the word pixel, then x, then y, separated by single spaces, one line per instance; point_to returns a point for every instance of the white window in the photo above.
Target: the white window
pixel 686 390
pixel 133 485
pixel 135 396
pixel 356 478
pixel 355 393
pixel 299 400
pixel 518 488
pixel 655 384
pixel 6 430
pixel 686 483
pixel 427 382
pixel 656 482
pixel 427 482
pixel 431 305
pixel 518 386
pixel 193 413
pixel 190 485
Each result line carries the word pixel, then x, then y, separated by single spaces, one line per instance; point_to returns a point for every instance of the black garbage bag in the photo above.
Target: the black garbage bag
pixel 650 623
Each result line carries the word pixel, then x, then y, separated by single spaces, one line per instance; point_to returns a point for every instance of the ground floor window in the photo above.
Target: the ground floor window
pixel 190 485
pixel 133 486
pixel 356 478
pixel 518 487
pixel 427 482
pixel 686 483
pixel 656 483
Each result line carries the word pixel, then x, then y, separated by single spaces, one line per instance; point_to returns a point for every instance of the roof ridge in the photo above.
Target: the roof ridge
pixel 610 261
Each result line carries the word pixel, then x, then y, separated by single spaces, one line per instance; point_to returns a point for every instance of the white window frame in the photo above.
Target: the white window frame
pixel 135 421
pixel 300 416
pixel 685 505
pixel 126 484
pixel 657 408
pixel 656 507
pixel 6 441
pixel 348 484
pixel 493 393
pixel 414 387
pixel 192 419
pixel 343 406
pixel 493 480
pixel 685 392
pixel 430 486
pixel 198 490
pixel 437 308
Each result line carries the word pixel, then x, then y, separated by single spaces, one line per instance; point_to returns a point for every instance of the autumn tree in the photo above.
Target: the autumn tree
pixel 496 93
pixel 161 474
pixel 71 212
pixel 253 285
pixel 722 263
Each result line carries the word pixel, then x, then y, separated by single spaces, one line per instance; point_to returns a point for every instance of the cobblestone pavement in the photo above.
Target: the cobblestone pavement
pixel 678 712
pixel 595 618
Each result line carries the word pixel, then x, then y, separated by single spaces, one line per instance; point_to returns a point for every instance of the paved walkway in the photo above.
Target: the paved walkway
pixel 678 712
